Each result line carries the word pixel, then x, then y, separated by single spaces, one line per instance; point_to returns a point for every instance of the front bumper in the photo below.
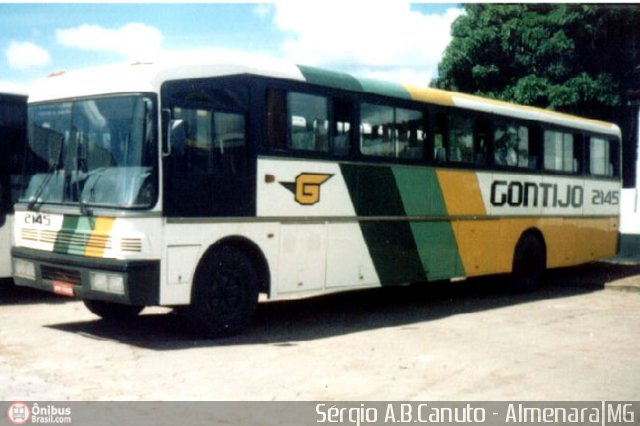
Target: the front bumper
pixel 73 274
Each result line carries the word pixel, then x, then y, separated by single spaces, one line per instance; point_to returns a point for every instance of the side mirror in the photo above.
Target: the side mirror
pixel 176 136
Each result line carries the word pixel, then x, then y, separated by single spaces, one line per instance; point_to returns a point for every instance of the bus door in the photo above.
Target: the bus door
pixel 208 172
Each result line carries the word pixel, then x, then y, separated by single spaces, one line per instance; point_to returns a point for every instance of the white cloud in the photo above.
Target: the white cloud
pixel 24 55
pixel 13 87
pixel 133 40
pixel 263 10
pixel 374 39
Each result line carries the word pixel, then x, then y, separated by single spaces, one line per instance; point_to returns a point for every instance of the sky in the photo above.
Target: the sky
pixel 387 39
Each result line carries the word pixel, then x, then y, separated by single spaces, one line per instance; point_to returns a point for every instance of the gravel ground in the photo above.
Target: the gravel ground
pixel 577 338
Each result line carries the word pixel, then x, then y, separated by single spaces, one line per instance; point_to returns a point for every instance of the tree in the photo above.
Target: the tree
pixel 574 58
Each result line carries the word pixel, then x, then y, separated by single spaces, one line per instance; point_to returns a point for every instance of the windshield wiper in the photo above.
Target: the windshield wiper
pixel 81 164
pixel 45 182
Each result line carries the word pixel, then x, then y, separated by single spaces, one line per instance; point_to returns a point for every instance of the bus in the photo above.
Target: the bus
pixel 203 186
pixel 13 122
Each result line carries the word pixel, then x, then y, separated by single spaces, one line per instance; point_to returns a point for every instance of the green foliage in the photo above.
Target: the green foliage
pixel 568 57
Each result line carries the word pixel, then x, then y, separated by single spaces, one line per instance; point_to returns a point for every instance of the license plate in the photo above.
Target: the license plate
pixel 63 289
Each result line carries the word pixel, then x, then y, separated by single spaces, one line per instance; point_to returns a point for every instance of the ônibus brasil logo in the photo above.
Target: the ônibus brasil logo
pixel 18 413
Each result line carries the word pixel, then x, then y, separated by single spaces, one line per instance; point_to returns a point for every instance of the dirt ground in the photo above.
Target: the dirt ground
pixel 578 338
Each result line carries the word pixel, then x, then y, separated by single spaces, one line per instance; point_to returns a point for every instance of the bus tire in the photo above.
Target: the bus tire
pixel 112 311
pixel 225 294
pixel 529 263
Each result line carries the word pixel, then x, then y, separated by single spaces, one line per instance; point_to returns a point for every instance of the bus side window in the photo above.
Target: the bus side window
pixel 308 122
pixel 376 130
pixel 603 157
pixel 341 128
pixel 562 152
pixel 512 145
pixel 460 147
pixel 439 138
pixel 410 131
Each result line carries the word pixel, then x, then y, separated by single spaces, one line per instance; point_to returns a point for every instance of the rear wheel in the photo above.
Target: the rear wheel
pixel 529 263
pixel 225 294
pixel 112 311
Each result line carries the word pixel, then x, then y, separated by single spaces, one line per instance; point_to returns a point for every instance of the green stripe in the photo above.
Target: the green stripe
pixel 327 78
pixel 384 88
pixel 403 251
pixel 435 241
pixel 391 245
pixel 62 244
pixel 340 80
pixel 74 226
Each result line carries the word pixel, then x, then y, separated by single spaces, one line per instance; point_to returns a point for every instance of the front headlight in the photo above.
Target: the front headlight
pixel 107 283
pixel 24 269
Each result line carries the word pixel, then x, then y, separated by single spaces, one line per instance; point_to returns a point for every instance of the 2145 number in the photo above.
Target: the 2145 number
pixel 600 197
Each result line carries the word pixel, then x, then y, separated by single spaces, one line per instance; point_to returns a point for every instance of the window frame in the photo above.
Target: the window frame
pixel 578 150
pixel 614 156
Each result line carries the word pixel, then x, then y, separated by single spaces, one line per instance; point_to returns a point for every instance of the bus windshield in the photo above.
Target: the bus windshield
pixel 92 152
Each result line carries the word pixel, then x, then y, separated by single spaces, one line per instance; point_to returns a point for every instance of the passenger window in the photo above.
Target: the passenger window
pixel 460 149
pixel 560 153
pixel 602 157
pixel 309 122
pixel 391 132
pixel 511 146
pixel 376 130
pixel 411 134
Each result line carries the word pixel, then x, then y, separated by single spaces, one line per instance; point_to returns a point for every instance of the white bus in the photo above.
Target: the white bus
pixel 13 121
pixel 630 197
pixel 201 186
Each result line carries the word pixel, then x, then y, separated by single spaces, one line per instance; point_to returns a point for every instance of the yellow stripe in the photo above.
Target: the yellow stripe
pixel 487 246
pixel 433 96
pixel 461 193
pixel 99 237
pixel 446 98
pixel 526 108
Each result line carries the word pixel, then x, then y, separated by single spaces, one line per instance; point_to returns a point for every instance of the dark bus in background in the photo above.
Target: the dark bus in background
pixel 13 120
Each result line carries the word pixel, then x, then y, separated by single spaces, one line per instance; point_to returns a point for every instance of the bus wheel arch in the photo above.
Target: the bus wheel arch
pixel 254 253
pixel 226 285
pixel 529 260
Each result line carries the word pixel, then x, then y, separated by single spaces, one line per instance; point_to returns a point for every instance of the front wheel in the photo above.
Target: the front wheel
pixel 529 263
pixel 225 294
pixel 112 311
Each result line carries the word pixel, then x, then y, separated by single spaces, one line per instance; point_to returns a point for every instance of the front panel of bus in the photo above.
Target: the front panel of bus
pixel 86 217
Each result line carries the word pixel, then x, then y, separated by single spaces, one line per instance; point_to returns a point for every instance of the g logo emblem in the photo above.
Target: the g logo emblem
pixel 306 187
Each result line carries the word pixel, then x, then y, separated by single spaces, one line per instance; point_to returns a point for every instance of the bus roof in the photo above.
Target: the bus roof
pixel 12 92
pixel 149 77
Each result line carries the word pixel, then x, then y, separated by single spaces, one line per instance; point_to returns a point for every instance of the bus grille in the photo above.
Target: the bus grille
pixel 80 241
pixel 59 274
pixel 131 244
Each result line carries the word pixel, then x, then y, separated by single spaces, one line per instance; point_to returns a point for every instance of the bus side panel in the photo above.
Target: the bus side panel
pixel 489 220
pixel 404 231
pixel 403 220
pixel 187 240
